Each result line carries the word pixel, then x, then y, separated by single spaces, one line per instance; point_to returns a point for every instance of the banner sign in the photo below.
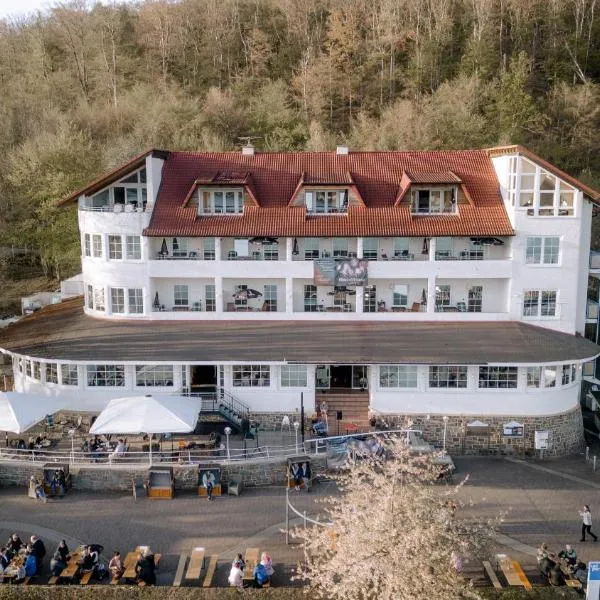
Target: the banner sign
pixel 347 271
pixel 542 440
pixel 593 582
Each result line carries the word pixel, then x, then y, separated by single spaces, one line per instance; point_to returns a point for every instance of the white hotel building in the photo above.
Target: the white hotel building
pixel 451 286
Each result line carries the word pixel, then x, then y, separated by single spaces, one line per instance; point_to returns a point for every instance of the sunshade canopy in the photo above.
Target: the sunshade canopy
pixel 19 412
pixel 148 414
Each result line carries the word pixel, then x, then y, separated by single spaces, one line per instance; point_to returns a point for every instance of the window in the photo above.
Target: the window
pixel 89 297
pixel 135 298
pixel 270 298
pixel 87 245
pixel 549 377
pixel 400 295
pixel 105 375
pixel 370 299
pixel 251 375
pixel 474 299
pixel 133 247
pixel 210 297
pixel 271 253
pixel 340 247
pixel 442 296
pixel 97 246
pixel 30 368
pixel 498 377
pixel 310 298
pixel 433 201
pixel 443 248
pixel 99 299
pixel 180 295
pixel 36 370
pixel 154 376
pixel 117 300
pixel 370 248
pixel 115 247
pixel 209 248
pixel 241 296
pixel 180 247
pixel 534 377
pixel 398 376
pixel 538 303
pixel 566 374
pixel 448 377
pixel 294 376
pixel 543 194
pixel 542 250
pixel 311 248
pixel 326 201
pixel 573 373
pixel 401 246
pixel 220 202
pixel 68 375
pixel 52 372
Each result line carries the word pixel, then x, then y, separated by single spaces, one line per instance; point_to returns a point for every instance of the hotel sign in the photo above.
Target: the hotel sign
pixel 348 271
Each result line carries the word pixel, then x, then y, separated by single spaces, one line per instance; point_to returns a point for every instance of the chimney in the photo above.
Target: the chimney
pixel 342 150
pixel 248 150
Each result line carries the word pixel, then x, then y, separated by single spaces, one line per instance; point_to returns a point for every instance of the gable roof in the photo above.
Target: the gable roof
pixel 376 176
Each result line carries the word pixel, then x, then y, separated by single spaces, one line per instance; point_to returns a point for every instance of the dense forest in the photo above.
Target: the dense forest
pixel 83 87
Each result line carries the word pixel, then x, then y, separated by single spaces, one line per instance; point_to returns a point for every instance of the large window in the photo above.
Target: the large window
pixel 89 296
pixel 310 298
pixel 180 295
pixel 117 300
pixel 154 375
pixel 498 377
pixel 448 377
pixel 270 299
pixel 133 247
pixel 221 202
pixel 97 246
pixel 534 377
pixel 135 298
pixel 87 244
pixel 397 376
pixel 36 370
pixel 99 299
pixel 68 375
pixel 544 195
pixel 370 299
pixel 294 376
pixel 131 191
pixel 105 375
pixel 115 247
pixel 52 372
pixel 539 303
pixel 251 375
pixel 542 250
pixel 210 297
pixel 549 376
pixel 340 247
pixel 326 201
pixel 311 248
pixel 400 296
pixel 370 248
pixel 442 296
pixel 433 201
pixel 209 248
pixel 401 246
pixel 474 299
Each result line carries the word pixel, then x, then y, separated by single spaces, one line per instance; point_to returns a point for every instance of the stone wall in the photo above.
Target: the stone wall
pixel 99 478
pixel 566 433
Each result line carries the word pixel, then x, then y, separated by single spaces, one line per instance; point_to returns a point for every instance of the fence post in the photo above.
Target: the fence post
pixel 587 453
pixel 304 512
pixel 287 515
pixel 594 461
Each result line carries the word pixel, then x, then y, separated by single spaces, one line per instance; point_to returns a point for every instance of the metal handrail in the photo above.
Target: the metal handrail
pixel 223 402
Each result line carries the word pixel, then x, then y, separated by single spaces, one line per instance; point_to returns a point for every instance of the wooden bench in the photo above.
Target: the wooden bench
pixel 210 571
pixel 196 564
pixel 491 574
pixel 53 580
pixel 513 572
pixel 85 578
pixel 180 570
pixel 251 560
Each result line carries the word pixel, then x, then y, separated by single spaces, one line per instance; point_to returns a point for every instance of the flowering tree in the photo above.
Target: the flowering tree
pixel 394 534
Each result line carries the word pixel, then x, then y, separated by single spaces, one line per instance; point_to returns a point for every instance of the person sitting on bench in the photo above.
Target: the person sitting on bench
pixel 296 475
pixel 57 485
pixel 115 566
pixel 569 554
pixel 236 575
pixel 86 562
pixel 40 494
pixel 260 575
pixel 145 568
pixel 267 562
pixel 57 564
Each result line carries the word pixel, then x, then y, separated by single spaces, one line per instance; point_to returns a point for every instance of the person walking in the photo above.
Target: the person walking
pixel 586 525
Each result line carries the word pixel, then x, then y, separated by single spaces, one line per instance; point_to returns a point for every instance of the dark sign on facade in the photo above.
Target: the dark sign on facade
pixel 347 271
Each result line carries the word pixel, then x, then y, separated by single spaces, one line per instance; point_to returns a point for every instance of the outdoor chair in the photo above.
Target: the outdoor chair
pixel 285 422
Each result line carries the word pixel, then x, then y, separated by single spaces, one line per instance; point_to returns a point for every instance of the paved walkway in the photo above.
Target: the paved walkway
pixel 540 500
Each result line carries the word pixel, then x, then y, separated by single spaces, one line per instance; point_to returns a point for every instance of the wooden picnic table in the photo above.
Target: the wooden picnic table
pixel 513 572
pixel 72 565
pixel 251 559
pixel 196 564
pixel 12 570
pixel 131 561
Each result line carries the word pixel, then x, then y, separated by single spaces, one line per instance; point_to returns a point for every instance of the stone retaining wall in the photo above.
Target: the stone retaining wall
pixel 255 473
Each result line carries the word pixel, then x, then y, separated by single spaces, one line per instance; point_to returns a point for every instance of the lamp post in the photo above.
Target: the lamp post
pixel 445 419
pixel 71 433
pixel 227 432
pixel 296 427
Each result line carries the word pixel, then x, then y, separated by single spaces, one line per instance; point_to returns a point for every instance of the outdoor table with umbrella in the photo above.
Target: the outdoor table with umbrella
pixel 148 414
pixel 21 411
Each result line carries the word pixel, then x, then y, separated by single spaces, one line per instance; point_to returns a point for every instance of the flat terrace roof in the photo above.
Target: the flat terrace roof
pixel 64 332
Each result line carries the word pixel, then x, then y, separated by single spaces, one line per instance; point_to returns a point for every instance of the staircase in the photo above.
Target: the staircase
pixel 354 405
pixel 220 409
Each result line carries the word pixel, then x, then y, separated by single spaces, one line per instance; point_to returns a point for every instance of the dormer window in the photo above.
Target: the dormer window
pixel 326 201
pixel 220 201
pixel 429 201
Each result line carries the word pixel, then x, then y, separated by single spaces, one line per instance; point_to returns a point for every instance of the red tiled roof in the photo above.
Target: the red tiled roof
pixel 376 175
pixel 445 177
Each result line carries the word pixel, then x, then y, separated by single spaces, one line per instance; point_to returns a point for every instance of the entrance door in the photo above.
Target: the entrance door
pixel 341 376
pixel 359 377
pixel 204 378
pixel 322 377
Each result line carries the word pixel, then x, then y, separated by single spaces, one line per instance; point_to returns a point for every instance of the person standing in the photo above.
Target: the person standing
pixel 586 525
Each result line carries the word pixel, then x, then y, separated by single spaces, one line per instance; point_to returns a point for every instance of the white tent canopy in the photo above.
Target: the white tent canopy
pixel 20 411
pixel 148 414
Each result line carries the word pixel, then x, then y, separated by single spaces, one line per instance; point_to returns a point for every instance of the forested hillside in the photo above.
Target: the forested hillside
pixel 84 87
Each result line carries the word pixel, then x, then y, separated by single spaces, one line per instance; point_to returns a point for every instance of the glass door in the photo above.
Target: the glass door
pixel 359 377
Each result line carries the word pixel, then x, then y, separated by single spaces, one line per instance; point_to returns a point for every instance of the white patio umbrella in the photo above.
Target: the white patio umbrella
pixel 20 411
pixel 148 414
